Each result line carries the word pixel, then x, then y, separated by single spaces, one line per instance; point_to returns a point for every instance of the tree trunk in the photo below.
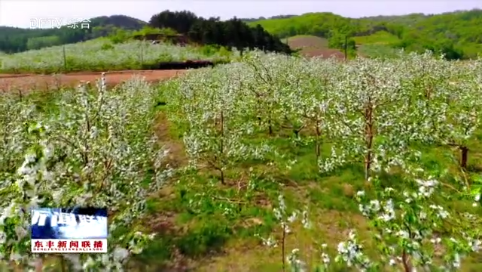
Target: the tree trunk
pixel 221 146
pixel 369 134
pixel 368 165
pixel 318 144
pixel 221 174
pixel 464 154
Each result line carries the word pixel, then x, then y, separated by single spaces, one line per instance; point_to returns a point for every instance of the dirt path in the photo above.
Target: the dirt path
pixel 26 82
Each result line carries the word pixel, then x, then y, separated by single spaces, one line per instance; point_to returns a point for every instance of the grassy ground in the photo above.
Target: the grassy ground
pixel 377 45
pixel 207 226
pixel 377 51
pixel 380 37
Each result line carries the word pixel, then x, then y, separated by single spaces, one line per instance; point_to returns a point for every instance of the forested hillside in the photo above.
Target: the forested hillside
pixel 233 33
pixel 406 20
pixel 14 39
pixel 457 34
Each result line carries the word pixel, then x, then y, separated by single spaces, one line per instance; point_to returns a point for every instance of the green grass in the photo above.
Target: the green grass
pixel 378 51
pixel 380 37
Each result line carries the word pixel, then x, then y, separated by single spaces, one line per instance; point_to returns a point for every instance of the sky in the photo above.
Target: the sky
pixel 20 13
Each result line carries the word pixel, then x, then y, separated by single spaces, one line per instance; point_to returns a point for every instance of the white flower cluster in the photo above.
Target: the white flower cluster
pixel 93 154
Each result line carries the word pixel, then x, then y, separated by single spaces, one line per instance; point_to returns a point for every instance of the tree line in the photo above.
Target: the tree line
pixel 233 33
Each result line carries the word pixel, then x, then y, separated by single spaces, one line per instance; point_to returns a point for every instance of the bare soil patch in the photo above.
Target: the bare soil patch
pixel 313 46
pixel 25 82
pixel 307 41
pixel 176 156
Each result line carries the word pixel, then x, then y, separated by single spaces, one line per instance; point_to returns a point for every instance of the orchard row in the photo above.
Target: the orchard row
pixel 370 111
pixel 101 55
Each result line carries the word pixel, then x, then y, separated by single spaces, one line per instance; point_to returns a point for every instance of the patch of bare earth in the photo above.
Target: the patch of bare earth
pixel 163 222
pixel 308 41
pixel 312 46
pixel 176 156
pixel 26 82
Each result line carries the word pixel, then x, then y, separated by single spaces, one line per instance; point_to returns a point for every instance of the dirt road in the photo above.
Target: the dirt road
pixel 27 82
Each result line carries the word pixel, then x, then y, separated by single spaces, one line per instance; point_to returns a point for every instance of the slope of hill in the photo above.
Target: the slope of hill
pixel 13 39
pixel 457 34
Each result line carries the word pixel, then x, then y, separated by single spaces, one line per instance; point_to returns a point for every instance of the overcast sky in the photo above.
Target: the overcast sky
pixel 20 12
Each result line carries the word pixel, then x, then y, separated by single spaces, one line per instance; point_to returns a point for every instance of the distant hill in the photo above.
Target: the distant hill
pixel 213 33
pixel 263 18
pixel 13 39
pixel 120 21
pixel 457 34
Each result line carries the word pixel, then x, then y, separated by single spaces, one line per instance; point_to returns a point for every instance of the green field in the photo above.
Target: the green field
pixel 380 37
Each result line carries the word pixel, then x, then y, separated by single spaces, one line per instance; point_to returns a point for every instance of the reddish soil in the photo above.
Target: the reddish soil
pixel 46 82
pixel 307 41
pixel 312 46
